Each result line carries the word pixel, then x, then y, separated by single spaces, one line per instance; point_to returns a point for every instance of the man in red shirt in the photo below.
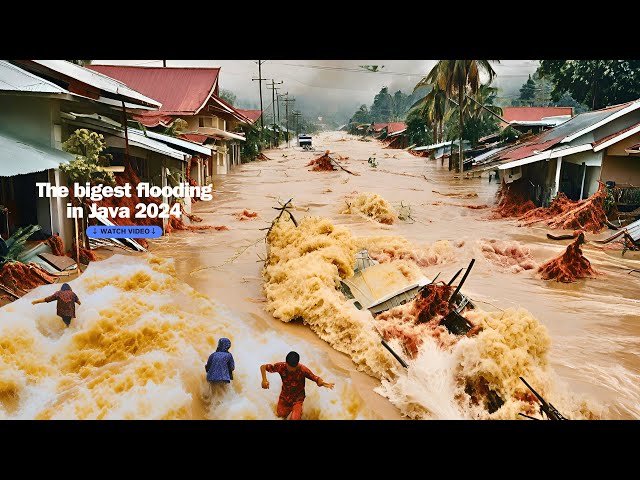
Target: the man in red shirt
pixel 293 376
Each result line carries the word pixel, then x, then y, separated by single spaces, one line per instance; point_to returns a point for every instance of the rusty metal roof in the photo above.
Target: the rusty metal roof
pixel 182 91
pixel 511 114
pixel 252 115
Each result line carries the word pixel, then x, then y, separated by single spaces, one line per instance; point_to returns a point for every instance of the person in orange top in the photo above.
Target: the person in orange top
pixel 66 303
pixel 293 375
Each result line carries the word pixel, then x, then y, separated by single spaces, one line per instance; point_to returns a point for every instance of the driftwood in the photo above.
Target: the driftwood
pixel 335 162
pixel 560 237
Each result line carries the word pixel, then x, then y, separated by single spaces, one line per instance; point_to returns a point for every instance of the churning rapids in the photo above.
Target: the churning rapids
pixel 147 323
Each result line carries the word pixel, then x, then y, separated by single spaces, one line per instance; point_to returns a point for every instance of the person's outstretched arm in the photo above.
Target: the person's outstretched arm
pixel 263 371
pixel 314 378
pixel 77 300
pixel 48 299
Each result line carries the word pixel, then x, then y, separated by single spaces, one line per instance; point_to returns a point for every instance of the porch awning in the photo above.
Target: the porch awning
pixel 18 157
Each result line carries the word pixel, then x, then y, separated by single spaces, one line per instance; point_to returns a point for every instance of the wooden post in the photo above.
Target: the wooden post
pixel 558 168
pixel 77 246
pixel 584 173
pixel 126 134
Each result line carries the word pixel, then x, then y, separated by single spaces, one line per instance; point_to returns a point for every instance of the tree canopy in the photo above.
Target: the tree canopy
pixel 597 83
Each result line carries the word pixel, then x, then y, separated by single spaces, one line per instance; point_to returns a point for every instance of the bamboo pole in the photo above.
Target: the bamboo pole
pixel 77 246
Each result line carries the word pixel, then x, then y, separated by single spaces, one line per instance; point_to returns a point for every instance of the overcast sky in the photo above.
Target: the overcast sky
pixel 336 85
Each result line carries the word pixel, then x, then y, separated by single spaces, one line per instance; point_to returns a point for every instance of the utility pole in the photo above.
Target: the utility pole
pixel 287 101
pixel 260 80
pixel 297 116
pixel 273 102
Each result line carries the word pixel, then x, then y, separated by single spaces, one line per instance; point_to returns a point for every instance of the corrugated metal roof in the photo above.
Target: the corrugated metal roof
pixel 252 115
pixel 186 144
pixel 153 120
pixel 18 157
pixel 182 91
pixel 96 79
pixel 545 140
pixel 393 127
pixel 511 114
pixel 625 132
pixel 136 137
pixel 15 79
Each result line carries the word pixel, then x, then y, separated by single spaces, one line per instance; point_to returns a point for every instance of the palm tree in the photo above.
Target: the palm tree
pixel 432 106
pixel 460 77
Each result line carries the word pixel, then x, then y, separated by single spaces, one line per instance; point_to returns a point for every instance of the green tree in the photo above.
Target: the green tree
pixel 597 83
pixel 228 96
pixel 460 78
pixel 399 105
pixel 382 107
pixel 527 92
pixel 362 115
pixel 418 131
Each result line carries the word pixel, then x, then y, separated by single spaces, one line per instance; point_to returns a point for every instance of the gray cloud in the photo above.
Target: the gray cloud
pixel 332 86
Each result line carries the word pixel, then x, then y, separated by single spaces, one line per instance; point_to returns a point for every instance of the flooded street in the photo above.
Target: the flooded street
pixel 594 324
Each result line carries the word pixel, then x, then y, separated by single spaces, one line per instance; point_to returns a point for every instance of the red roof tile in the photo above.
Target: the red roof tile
pixel 252 115
pixel 378 126
pixel 532 114
pixel 182 91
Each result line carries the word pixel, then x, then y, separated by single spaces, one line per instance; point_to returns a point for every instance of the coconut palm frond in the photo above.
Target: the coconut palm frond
pixel 15 244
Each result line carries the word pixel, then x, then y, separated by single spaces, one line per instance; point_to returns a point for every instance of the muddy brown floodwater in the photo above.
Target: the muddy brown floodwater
pixel 594 323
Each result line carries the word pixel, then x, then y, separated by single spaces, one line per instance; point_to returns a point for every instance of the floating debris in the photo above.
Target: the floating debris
pixel 570 266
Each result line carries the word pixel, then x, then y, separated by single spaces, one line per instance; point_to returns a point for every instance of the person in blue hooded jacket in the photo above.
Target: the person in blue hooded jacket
pixel 220 365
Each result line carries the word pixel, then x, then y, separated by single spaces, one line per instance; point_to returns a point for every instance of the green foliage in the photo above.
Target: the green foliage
pixel 178 127
pixel 527 92
pixel 597 83
pixel 373 163
pixel 87 146
pixel 509 134
pixel 11 250
pixel 228 96
pixel 418 131
pixel 362 115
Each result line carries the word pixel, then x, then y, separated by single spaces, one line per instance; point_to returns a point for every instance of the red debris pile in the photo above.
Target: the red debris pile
pixel 570 266
pixel 86 255
pixel 57 247
pixel 588 215
pixel 21 277
pixel 421 153
pixel 513 201
pixel 246 215
pixel 190 180
pixel 511 255
pixel 262 157
pixel 192 217
pixel 413 322
pixel 322 164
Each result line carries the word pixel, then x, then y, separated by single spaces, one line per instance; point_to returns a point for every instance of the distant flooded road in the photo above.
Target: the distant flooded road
pixel 594 324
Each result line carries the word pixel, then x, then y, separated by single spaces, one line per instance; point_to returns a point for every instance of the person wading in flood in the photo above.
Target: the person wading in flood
pixel 220 365
pixel 66 307
pixel 293 376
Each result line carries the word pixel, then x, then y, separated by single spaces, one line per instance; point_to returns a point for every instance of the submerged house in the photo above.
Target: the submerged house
pixel 190 94
pixel 574 156
pixel 35 96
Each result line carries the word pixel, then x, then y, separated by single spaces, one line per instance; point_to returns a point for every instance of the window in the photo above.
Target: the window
pixel 205 121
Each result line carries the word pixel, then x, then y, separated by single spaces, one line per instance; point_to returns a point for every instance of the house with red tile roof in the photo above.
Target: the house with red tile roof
pixel 191 94
pixel 575 156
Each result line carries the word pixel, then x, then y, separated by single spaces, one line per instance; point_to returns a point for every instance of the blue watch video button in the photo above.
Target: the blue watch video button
pixel 128 231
